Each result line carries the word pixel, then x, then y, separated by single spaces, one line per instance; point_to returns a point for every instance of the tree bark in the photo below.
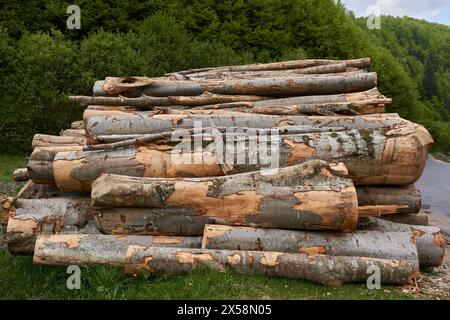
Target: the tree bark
pixel 430 241
pixel 284 65
pixel 149 102
pixel 44 140
pixel 370 244
pixel 272 87
pixel 372 156
pixel 380 201
pixel 322 269
pixel 270 200
pixel 31 217
pixel 40 163
pixel 20 174
pixel 99 249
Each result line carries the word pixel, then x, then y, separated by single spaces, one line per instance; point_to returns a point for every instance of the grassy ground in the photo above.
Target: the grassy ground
pixel 21 279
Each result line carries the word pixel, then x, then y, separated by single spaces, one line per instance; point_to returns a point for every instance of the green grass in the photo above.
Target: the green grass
pixel 21 279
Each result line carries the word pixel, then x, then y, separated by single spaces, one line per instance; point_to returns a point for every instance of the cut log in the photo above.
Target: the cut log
pixel 276 199
pixel 44 140
pixel 20 174
pixel 205 98
pixel 322 269
pixel 32 190
pixel 98 249
pixel 77 125
pixel 381 201
pixel 31 217
pixel 372 156
pixel 73 133
pixel 40 164
pixel 430 241
pixel 419 219
pixel 284 65
pixel 370 244
pixel 272 87
pixel 6 204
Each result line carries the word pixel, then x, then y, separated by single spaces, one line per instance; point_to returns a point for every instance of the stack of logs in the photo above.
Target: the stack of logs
pixel 116 189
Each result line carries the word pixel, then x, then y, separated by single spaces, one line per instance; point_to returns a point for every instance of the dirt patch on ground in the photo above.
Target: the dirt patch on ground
pixel 9 189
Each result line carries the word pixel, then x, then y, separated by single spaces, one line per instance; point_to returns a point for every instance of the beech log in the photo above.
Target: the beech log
pixel 272 87
pixel 284 65
pixel 419 219
pixel 44 140
pixel 373 157
pixel 77 125
pixel 20 175
pixel 381 201
pixel 322 269
pixel 370 244
pixel 31 217
pixel 73 133
pixel 430 241
pixel 90 249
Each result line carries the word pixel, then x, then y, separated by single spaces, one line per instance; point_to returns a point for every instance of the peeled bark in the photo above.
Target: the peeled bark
pixel 272 87
pixel 381 201
pixel 20 174
pixel 43 140
pixel 149 102
pixel 370 244
pixel 31 217
pixel 284 65
pixel 373 156
pixel 322 269
pixel 40 163
pixel 265 199
pixel 98 249
pixel 430 241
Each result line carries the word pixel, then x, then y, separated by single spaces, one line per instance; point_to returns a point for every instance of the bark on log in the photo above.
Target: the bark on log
pixel 20 175
pixel 99 249
pixel 430 241
pixel 372 156
pixel 322 269
pixel 73 133
pixel 40 163
pixel 284 65
pixel 205 98
pixel 381 201
pixel 77 125
pixel 272 87
pixel 44 140
pixel 419 219
pixel 271 200
pixel 370 244
pixel 31 217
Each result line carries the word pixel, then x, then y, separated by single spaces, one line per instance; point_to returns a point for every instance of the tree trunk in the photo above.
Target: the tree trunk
pixel 284 65
pixel 372 156
pixel 20 174
pixel 40 163
pixel 99 249
pixel 322 269
pixel 430 241
pixel 380 201
pixel 271 200
pixel 31 217
pixel 44 140
pixel 272 87
pixel 371 244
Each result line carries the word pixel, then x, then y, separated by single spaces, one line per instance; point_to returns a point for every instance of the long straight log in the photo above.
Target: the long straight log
pixel 284 65
pixel 90 249
pixel 370 244
pixel 430 241
pixel 322 269
pixel 276 199
pixel 380 201
pixel 372 156
pixel 44 140
pixel 31 217
pixel 272 87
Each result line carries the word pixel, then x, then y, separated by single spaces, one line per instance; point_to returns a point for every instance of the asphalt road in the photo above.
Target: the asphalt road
pixel 435 187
